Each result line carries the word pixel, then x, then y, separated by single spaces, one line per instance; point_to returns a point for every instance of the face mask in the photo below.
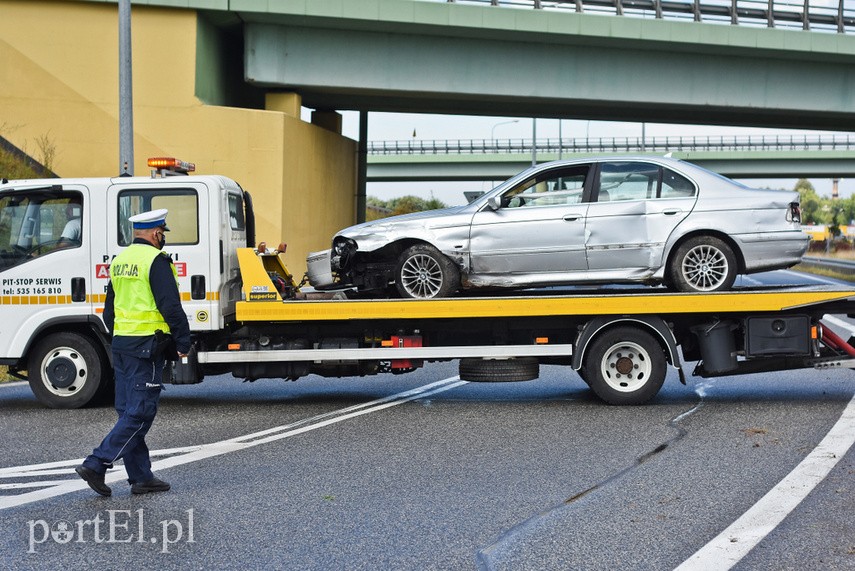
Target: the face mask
pixel 162 240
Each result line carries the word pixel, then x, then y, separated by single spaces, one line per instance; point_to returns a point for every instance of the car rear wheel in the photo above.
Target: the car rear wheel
pixel 424 273
pixel 703 263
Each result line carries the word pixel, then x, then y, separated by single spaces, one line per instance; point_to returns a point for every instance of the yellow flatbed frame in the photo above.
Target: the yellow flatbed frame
pixel 258 285
pixel 512 306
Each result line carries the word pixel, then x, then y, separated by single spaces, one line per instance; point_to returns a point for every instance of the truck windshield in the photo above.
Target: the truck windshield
pixel 33 224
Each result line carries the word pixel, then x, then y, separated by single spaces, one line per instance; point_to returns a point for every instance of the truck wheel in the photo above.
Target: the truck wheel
pixel 499 370
pixel 625 366
pixel 703 263
pixel 424 273
pixel 65 370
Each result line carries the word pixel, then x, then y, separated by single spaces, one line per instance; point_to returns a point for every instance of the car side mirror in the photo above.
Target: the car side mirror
pixel 494 202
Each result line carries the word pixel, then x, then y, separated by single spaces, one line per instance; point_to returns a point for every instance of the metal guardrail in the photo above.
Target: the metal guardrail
pixel 807 15
pixel 616 145
pixel 842 267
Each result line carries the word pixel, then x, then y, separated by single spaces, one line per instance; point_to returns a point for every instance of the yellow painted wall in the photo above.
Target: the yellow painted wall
pixel 59 78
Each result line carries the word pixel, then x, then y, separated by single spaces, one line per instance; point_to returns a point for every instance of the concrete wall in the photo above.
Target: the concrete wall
pixel 59 79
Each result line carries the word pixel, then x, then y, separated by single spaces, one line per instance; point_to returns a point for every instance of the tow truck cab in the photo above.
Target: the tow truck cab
pixel 57 238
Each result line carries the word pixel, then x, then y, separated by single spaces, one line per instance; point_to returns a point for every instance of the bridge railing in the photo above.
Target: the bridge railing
pixel 837 15
pixel 663 144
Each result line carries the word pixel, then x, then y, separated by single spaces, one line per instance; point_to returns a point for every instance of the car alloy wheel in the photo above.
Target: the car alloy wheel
pixel 703 263
pixel 424 273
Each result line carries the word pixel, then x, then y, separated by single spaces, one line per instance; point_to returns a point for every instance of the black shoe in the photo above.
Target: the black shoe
pixel 94 479
pixel 153 485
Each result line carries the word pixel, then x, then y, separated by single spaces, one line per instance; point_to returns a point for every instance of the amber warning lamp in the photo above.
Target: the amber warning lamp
pixel 165 166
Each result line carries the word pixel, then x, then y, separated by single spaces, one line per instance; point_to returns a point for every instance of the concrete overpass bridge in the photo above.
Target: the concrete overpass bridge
pixel 482 58
pixel 755 156
pixel 222 82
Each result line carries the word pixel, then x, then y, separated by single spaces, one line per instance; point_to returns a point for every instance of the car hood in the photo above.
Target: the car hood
pixel 418 225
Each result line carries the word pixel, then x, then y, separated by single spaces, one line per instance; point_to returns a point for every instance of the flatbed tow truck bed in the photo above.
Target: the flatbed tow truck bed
pixel 615 302
pixel 620 340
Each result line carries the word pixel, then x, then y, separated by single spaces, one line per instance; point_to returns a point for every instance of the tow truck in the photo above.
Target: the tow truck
pixel 249 317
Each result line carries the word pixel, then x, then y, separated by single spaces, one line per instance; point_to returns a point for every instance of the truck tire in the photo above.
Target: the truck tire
pixel 65 370
pixel 423 272
pixel 703 264
pixel 625 366
pixel 499 370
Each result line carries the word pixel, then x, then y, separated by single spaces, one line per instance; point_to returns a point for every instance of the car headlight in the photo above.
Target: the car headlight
pixel 342 253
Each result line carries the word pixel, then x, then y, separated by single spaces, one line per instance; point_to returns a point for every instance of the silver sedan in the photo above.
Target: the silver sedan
pixel 599 220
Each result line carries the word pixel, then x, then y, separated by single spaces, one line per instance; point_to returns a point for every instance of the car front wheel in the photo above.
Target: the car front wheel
pixel 423 272
pixel 703 264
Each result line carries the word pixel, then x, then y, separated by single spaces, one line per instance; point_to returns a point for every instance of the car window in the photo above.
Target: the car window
pixel 675 185
pixel 628 181
pixel 555 187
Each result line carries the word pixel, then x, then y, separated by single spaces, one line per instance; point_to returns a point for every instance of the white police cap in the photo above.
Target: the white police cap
pixel 150 219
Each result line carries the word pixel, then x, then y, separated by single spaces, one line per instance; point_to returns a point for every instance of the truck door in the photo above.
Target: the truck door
pixel 188 241
pixel 45 242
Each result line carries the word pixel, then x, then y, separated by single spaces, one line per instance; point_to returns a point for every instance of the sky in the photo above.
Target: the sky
pixel 401 126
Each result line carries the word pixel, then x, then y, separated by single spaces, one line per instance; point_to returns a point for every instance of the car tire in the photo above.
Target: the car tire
pixel 703 264
pixel 499 370
pixel 423 272
pixel 625 366
pixel 66 370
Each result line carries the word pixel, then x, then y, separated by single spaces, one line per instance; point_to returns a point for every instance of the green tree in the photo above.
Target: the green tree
pixel 813 211
pixel 401 205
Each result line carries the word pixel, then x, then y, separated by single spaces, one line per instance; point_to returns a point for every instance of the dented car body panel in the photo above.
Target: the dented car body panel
pixel 598 220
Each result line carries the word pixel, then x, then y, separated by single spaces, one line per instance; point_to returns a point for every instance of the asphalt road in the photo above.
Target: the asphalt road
pixel 422 472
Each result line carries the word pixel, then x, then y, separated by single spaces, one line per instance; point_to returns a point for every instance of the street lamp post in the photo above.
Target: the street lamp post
pixel 533 142
pixel 126 106
pixel 493 130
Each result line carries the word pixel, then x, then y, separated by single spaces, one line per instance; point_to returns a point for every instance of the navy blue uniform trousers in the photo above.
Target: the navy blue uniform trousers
pixel 138 386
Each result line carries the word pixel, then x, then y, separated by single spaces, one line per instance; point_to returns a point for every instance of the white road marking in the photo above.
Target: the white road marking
pixel 12 384
pixel 188 454
pixel 734 543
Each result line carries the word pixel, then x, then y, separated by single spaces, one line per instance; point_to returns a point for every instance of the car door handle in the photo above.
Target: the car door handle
pixel 572 217
pixel 671 211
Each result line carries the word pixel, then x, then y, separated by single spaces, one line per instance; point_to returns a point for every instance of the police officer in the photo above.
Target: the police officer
pixel 143 311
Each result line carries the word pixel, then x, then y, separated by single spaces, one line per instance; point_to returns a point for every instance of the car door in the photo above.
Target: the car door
pixel 537 228
pixel 635 207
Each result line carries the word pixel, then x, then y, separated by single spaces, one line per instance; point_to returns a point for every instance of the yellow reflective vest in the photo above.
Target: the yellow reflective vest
pixel 135 310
